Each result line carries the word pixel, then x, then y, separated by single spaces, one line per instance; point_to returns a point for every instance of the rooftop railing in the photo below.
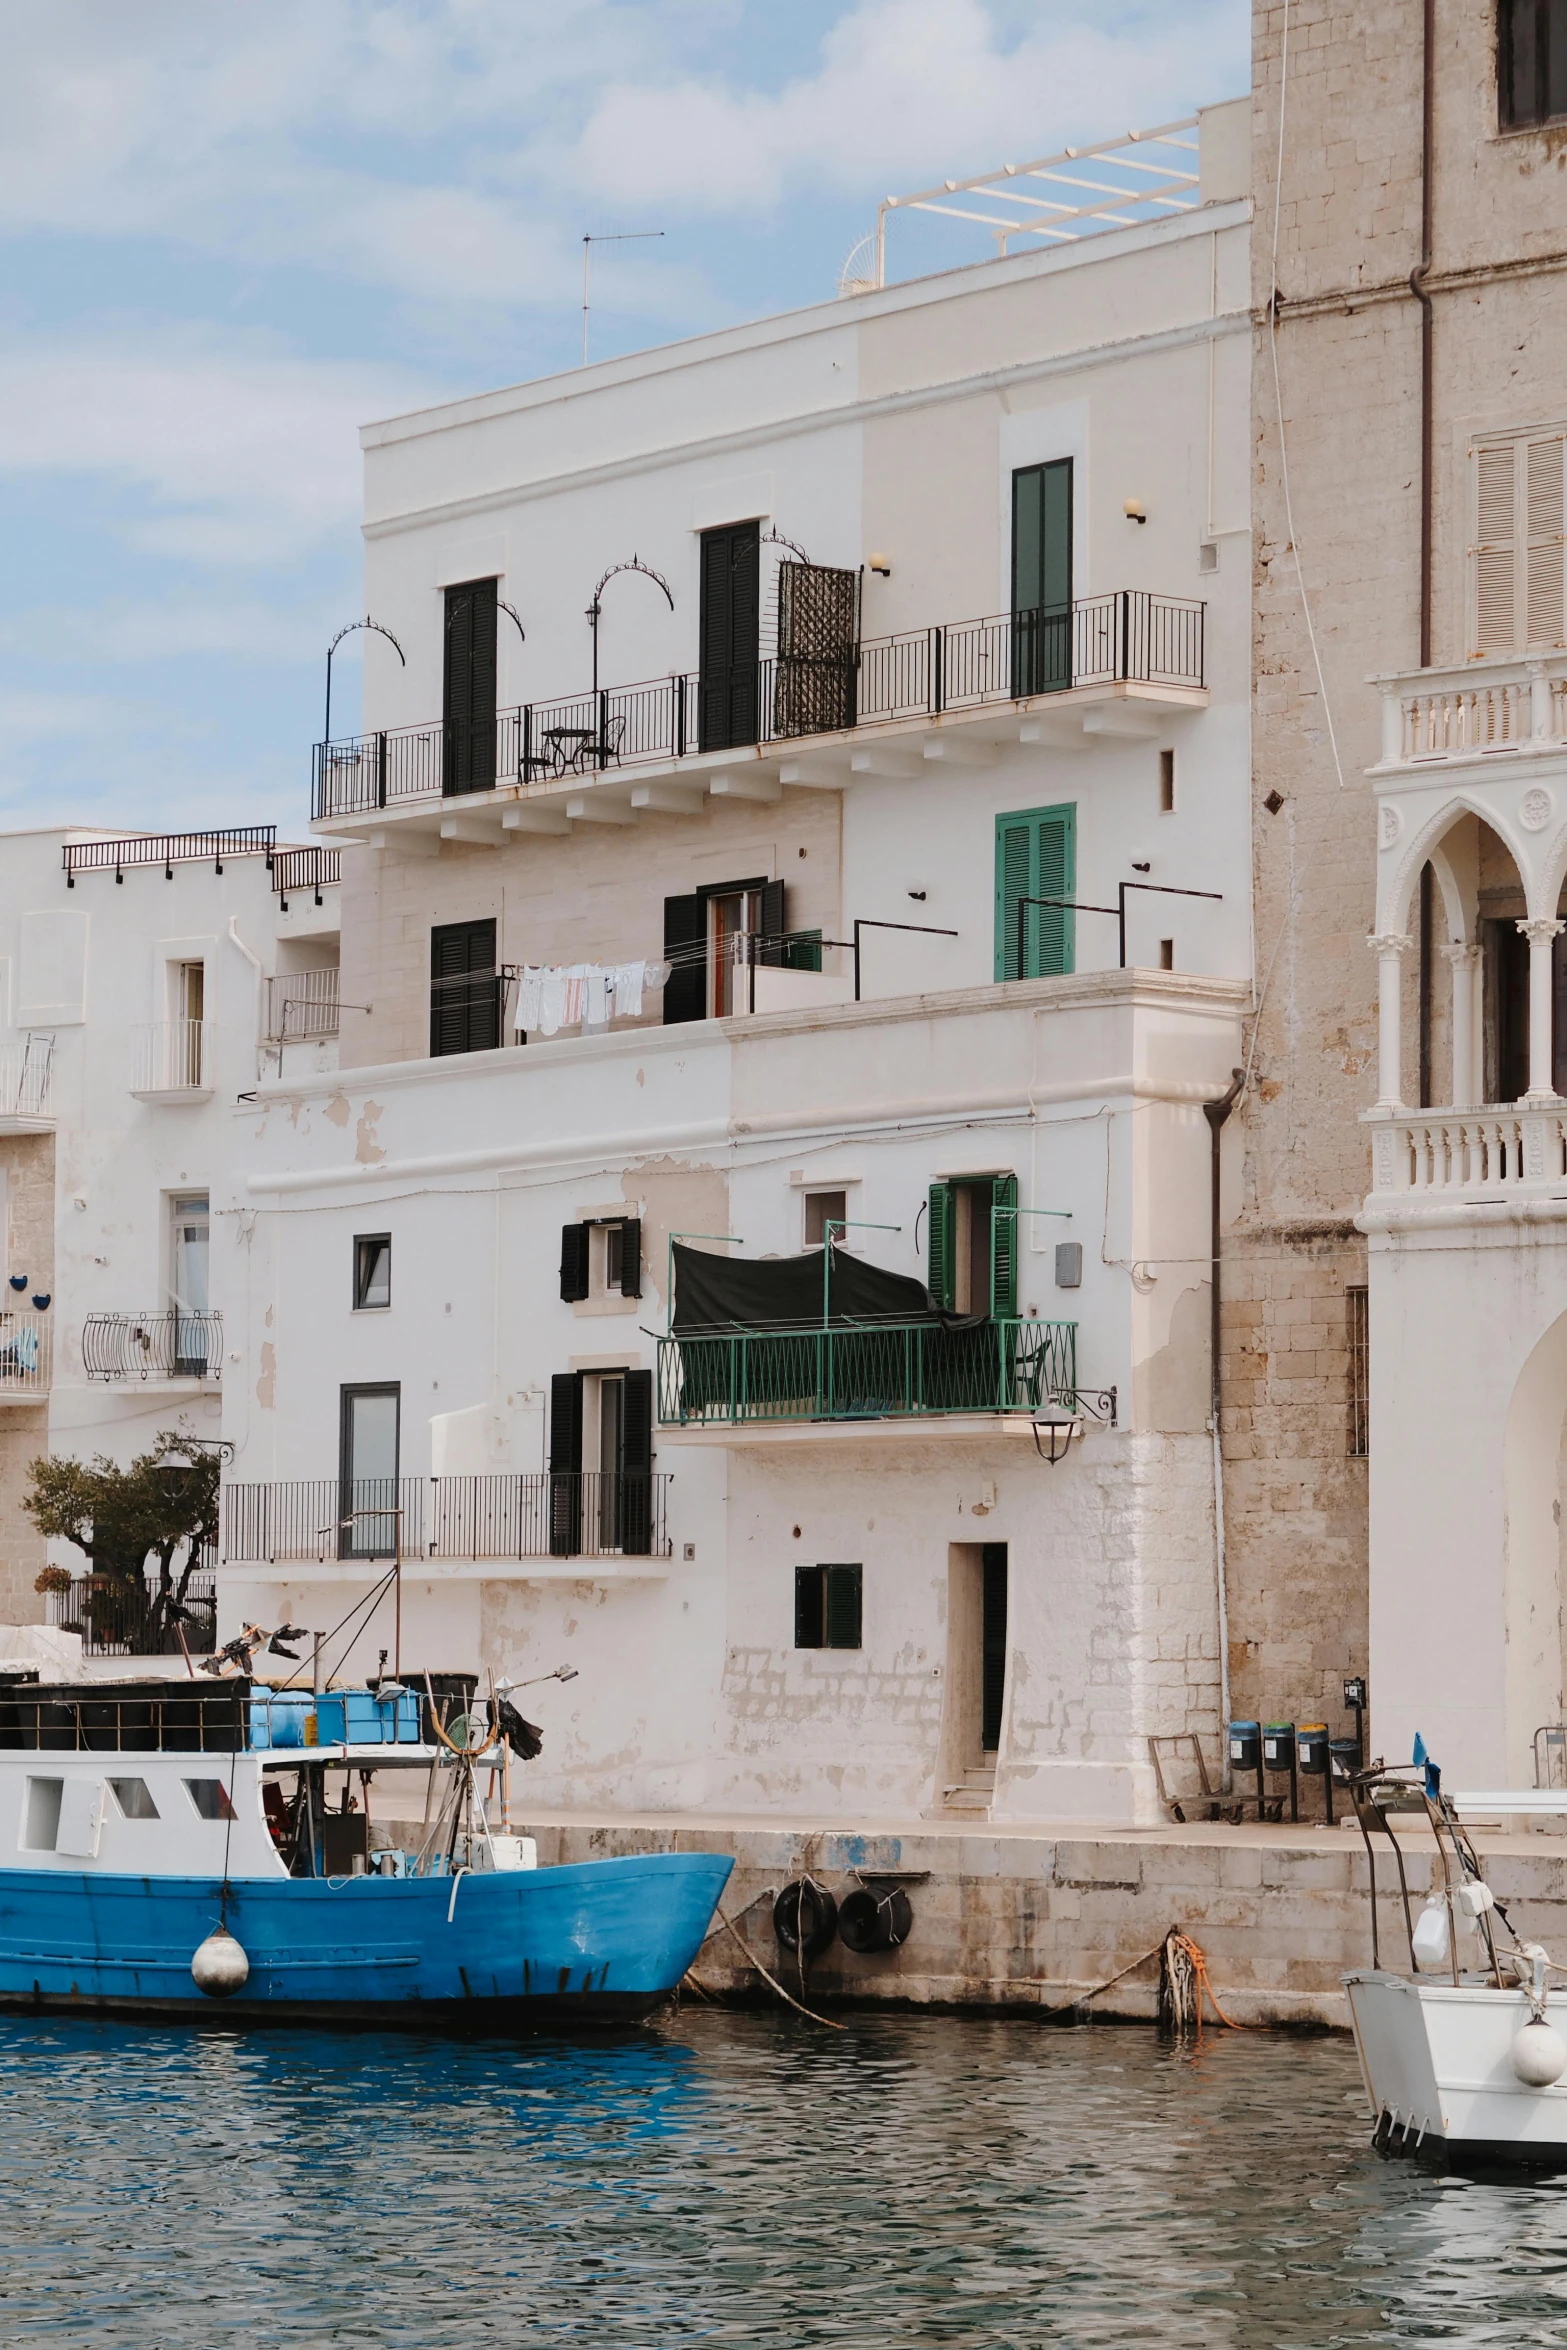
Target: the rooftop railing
pixel 876 1372
pixel 294 871
pixel 168 849
pixel 1129 637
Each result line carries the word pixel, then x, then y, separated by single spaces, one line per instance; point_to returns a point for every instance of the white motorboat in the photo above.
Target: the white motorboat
pixel 1464 2053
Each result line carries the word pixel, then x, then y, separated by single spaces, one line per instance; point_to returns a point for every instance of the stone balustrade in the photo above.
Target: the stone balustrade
pixel 1489 707
pixel 1492 1152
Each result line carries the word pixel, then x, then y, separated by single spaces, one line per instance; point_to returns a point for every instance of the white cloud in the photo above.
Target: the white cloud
pixel 239 454
pixel 907 92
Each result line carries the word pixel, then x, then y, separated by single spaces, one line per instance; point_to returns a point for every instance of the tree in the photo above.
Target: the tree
pixel 164 1503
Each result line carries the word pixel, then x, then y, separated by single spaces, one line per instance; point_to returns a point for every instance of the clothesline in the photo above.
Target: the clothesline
pixel 552 996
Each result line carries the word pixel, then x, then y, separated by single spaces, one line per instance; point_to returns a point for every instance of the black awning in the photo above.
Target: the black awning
pixel 714 1293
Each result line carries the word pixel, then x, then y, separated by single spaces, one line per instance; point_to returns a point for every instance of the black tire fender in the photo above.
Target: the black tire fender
pixel 805 1910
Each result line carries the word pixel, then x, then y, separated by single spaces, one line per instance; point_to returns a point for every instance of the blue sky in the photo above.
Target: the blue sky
pixel 229 233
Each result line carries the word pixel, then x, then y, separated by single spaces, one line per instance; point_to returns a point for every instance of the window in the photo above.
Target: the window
pixel 134 1798
pixel 601 1259
pixel 821 1209
pixel 1167 954
pixel 465 989
pixel 196 1341
pixel 1166 783
pixel 210 1799
pixel 1036 857
pixel 1042 578
pixel 728 636
pixel 469 687
pixel 972 1248
pixel 368 1434
pixel 188 1011
pixel 828 1606
pixel 41 1815
pixel 1358 1347
pixel 1531 62
pixel 1519 550
pixel 372 1271
pixel 708 945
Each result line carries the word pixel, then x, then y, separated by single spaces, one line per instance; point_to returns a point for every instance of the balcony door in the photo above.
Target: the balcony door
pixel 367 1472
pixel 1042 578
pixel 468 700
pixel 190 1225
pixel 729 635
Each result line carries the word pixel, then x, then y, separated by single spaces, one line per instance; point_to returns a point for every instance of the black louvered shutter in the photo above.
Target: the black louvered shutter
pixel 843 1607
pixel 993 1643
pixel 469 687
pixel 772 951
pixel 631 1257
pixel 728 636
pixel 565 1464
pixel 465 1014
pixel 685 951
pixel 810 1610
pixel 573 1263
pixel 636 1464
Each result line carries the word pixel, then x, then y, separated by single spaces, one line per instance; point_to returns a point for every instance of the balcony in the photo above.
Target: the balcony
pixel 483 1520
pixel 26 1357
pixel 119 1617
pixel 1125 646
pixel 171 1345
pixel 25 1071
pixel 171 1061
pixel 301 1006
pixel 892 1371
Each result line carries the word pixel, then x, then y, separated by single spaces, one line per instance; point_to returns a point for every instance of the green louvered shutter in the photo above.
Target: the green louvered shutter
pixel 1035 858
pixel 1003 1247
pixel 941 1246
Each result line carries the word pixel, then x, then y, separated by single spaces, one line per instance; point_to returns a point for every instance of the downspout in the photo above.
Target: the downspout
pixel 1216 1113
pixel 1417 286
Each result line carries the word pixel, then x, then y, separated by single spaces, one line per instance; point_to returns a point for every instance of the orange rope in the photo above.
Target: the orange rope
pixel 1199 1967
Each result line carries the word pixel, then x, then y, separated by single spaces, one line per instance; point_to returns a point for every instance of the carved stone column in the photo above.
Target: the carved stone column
pixel 1390 948
pixel 1540 935
pixel 1468 1080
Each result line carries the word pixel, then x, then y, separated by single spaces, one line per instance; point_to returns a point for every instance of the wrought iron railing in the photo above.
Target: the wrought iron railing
pixel 324 1518
pixel 1128 637
pixel 302 1005
pixel 584 1514
pixel 24 1077
pixel 866 1372
pixel 26 1355
pixel 120 1617
pixel 173 1344
pixel 168 849
pixel 296 870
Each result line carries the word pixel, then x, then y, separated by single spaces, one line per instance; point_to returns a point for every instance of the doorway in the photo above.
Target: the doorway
pixel 729 636
pixel 190 1292
pixel 468 696
pixel 1042 578
pixel 974 1711
pixel 367 1472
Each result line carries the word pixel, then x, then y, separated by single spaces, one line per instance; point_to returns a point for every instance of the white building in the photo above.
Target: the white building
pixel 947 623
pixel 146 983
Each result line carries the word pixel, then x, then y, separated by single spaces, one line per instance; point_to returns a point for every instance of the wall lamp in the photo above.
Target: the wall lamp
pixel 1135 510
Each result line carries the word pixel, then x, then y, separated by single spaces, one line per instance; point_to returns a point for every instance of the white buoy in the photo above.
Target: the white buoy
pixel 1539 2055
pixel 220 1968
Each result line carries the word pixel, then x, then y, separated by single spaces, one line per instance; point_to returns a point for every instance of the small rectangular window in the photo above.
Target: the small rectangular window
pixel 41 1819
pixel 372 1271
pixel 1357 1320
pixel 134 1798
pixel 821 1209
pixel 1167 954
pixel 210 1798
pixel 1531 62
pixel 1166 782
pixel 828 1606
pixel 614 1254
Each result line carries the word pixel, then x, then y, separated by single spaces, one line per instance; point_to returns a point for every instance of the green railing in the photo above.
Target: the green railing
pixel 877 1372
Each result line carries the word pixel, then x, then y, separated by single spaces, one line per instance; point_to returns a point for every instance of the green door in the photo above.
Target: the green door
pixel 1042 578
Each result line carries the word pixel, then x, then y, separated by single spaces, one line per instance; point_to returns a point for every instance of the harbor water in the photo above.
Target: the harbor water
pixel 737 2179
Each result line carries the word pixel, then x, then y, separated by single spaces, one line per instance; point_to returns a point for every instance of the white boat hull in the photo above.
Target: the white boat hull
pixel 1437 2062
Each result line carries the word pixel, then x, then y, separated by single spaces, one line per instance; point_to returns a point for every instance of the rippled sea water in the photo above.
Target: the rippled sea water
pixel 737 2180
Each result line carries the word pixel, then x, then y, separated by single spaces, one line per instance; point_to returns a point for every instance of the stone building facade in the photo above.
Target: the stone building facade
pixel 1369 206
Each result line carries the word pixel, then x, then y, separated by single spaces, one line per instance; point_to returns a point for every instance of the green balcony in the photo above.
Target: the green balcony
pixel 880 1371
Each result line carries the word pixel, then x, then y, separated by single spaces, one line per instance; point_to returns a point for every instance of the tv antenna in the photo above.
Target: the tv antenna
pixel 630 236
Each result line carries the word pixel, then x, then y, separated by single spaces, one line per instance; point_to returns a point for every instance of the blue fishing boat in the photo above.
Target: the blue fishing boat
pixel 210 1845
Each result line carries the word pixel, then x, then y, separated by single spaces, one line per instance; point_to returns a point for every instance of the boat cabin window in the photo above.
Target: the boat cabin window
pixel 41 1819
pixel 210 1798
pixel 134 1798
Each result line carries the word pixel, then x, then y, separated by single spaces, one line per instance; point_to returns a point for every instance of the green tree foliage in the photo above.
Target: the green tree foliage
pixel 163 1505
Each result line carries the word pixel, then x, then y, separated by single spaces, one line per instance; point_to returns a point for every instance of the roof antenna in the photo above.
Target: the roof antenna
pixel 628 236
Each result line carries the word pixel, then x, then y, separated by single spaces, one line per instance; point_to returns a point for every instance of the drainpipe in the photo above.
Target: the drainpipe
pixel 1216 1113
pixel 1417 287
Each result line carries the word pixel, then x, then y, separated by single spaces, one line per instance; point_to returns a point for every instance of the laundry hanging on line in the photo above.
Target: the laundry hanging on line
pixel 552 996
